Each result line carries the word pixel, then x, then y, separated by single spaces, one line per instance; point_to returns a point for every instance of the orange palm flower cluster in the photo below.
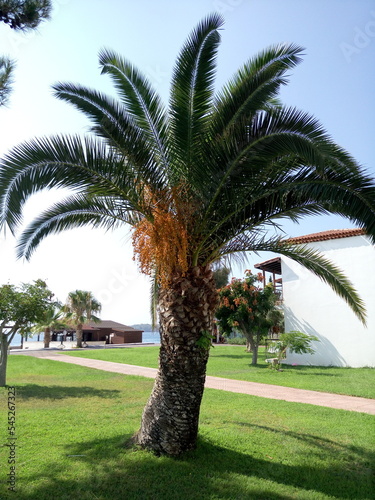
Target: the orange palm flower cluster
pixel 160 240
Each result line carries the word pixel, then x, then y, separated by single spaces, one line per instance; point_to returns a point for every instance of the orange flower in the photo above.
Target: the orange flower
pixel 161 240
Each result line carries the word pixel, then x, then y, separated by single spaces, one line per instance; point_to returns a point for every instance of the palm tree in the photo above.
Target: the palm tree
pixel 201 180
pixel 79 308
pixel 52 320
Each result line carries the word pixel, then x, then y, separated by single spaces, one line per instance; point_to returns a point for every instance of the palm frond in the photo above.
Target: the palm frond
pixel 254 87
pixel 117 127
pixel 62 162
pixel 75 212
pixel 192 92
pixel 328 273
pixel 6 79
pixel 140 100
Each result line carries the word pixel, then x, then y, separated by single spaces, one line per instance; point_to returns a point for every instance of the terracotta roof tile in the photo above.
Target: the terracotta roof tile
pixel 326 235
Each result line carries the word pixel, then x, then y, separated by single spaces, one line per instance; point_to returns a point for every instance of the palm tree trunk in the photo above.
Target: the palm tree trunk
pixel 47 337
pixel 170 419
pixel 79 335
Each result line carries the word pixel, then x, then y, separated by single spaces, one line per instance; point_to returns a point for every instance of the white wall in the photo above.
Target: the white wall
pixel 313 308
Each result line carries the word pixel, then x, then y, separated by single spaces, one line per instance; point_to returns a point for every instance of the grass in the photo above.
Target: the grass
pixel 72 422
pixel 233 362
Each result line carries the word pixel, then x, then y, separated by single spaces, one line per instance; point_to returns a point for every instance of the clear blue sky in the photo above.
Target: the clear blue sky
pixel 335 82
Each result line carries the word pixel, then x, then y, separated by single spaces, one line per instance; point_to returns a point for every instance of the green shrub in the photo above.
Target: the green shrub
pixel 236 340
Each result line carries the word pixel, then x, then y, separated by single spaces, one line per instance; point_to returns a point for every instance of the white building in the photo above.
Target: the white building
pixel 312 307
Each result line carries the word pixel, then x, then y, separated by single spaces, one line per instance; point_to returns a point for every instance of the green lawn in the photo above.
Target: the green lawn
pixel 233 362
pixel 72 421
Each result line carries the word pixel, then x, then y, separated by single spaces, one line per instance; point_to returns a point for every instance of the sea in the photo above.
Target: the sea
pixel 147 338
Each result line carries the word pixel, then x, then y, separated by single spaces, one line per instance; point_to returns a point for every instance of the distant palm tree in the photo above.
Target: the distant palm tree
pixel 52 320
pixel 79 308
pixel 199 181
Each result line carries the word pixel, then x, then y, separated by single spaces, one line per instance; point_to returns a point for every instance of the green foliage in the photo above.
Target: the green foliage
pixel 221 276
pixel 293 341
pixel 247 307
pixel 22 306
pixel 80 307
pixel 205 340
pixel 23 15
pixel 20 15
pixel 236 340
pixel 6 72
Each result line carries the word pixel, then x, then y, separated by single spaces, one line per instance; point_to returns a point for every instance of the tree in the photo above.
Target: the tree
pixel 248 308
pixel 204 179
pixel 79 308
pixel 52 319
pixel 19 309
pixel 20 16
pixel 221 277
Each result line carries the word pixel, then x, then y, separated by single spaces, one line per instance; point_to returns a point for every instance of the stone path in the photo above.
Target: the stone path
pixel 336 401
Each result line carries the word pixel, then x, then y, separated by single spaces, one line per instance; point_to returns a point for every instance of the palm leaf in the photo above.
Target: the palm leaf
pixel 75 212
pixel 62 162
pixel 117 127
pixel 140 100
pixel 254 87
pixel 192 93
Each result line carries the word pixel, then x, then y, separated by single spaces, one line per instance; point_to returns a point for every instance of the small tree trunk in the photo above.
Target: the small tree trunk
pixel 3 359
pixel 47 337
pixel 170 419
pixel 79 335
pixel 254 359
pixel 252 346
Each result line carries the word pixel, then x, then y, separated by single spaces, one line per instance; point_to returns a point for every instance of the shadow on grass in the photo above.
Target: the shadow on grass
pixel 317 374
pixel 234 356
pixel 30 391
pixel 105 469
pixel 317 442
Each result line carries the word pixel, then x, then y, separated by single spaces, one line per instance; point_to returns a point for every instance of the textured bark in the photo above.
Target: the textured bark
pixel 47 337
pixel 254 359
pixel 170 419
pixel 79 335
pixel 252 347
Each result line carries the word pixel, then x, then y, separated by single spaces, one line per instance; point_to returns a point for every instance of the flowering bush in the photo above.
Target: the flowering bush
pixel 248 307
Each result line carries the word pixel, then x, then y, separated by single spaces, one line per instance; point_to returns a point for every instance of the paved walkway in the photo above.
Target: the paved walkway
pixel 336 401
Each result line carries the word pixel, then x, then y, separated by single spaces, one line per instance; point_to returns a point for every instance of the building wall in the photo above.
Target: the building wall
pixel 126 337
pixel 313 308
